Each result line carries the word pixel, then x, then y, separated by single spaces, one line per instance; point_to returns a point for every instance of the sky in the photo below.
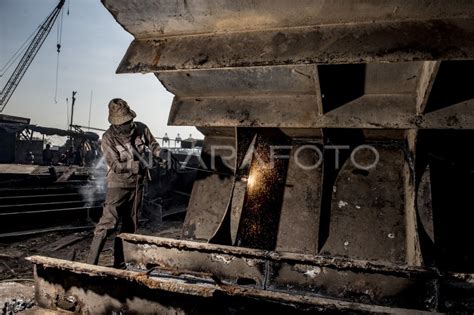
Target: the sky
pixel 93 44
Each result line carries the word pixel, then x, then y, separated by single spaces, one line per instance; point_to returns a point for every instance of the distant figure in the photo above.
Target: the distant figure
pixel 70 155
pixel 166 139
pixel 30 158
pixel 63 158
pixel 78 156
pixel 97 147
pixel 87 154
pixel 47 155
pixel 177 140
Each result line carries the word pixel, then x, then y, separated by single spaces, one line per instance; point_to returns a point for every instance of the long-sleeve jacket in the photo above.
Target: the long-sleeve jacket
pixel 124 154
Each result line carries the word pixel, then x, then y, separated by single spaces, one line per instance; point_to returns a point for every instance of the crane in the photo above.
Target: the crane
pixel 29 55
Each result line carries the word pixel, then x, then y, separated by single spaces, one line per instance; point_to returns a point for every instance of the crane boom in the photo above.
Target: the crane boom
pixel 29 55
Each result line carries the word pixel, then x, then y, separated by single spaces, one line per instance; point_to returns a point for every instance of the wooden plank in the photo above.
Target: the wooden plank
pixel 17 169
pixel 67 174
pixel 47 230
pixel 66 241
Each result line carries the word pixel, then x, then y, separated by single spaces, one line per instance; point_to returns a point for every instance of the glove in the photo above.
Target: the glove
pixel 165 155
pixel 171 161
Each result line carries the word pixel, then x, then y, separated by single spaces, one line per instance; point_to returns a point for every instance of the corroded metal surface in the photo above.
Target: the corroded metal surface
pixel 361 281
pixel 286 271
pixel 369 111
pixel 410 40
pixel 81 288
pixel 340 263
pixel 170 18
pixel 298 79
pixel 353 209
pixel 211 192
pixel 168 275
pixel 300 209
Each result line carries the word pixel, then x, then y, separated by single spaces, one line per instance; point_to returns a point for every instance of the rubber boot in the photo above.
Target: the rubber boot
pixel 94 252
pixel 119 259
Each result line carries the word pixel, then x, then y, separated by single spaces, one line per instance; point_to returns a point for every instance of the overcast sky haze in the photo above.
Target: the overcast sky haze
pixel 93 45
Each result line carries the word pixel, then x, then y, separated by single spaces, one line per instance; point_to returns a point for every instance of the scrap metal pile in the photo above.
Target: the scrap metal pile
pixel 40 202
pixel 372 103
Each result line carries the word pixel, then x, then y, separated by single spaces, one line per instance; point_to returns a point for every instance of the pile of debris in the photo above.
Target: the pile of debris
pixel 17 305
pixel 15 297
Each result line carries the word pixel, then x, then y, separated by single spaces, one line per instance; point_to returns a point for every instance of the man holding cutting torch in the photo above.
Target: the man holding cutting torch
pixel 123 146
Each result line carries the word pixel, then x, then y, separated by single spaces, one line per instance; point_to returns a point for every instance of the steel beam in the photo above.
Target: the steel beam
pixel 334 44
pixel 329 276
pixel 70 286
pixel 425 84
pixel 295 80
pixel 285 111
pixel 375 111
pixel 211 192
pixel 162 18
pixel 335 277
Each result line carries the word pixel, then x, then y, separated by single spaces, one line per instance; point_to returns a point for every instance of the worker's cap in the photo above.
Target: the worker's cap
pixel 120 112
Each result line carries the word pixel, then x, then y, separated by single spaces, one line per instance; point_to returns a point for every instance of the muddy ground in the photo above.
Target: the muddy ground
pixel 16 273
pixel 14 267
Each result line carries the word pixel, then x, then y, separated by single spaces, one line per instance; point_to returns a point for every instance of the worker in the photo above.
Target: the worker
pixel 70 155
pixel 177 141
pixel 123 146
pixel 30 158
pixel 87 154
pixel 166 140
pixel 78 155
pixel 47 155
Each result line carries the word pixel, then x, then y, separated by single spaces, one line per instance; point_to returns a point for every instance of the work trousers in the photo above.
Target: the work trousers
pixel 121 204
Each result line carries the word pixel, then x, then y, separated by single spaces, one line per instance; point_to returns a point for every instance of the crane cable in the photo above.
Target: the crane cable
pixel 17 54
pixel 59 36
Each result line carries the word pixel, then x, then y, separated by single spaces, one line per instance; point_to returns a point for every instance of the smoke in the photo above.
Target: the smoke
pixel 94 191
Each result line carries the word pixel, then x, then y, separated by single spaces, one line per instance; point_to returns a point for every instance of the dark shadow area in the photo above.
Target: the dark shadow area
pixel 222 234
pixel 245 137
pixel 453 84
pixel 426 244
pixel 449 155
pixel 246 281
pixel 424 214
pixel 333 162
pixel 341 84
pixel 7 141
